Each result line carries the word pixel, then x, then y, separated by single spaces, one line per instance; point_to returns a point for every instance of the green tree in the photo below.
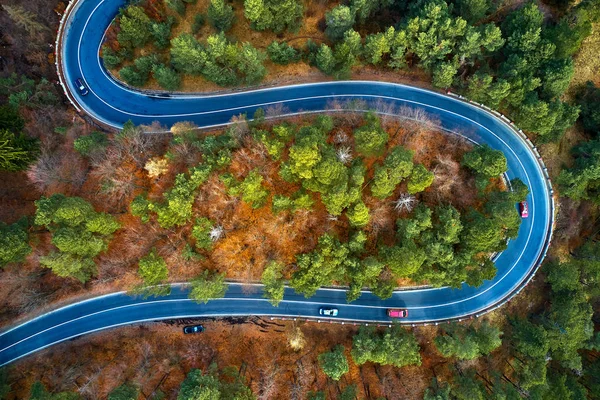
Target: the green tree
pixel 199 21
pixel 10 119
pixel 66 265
pixel 370 139
pixel 339 20
pixel 124 392
pixel 482 88
pixel 251 189
pixel 485 161
pixel 420 179
pixel 473 10
pixel 467 387
pixel 319 267
pixel 394 346
pixel 529 339
pixel 14 246
pixel 334 363
pixel 325 60
pixel 437 391
pixel 153 269
pixel 132 76
pixel 161 32
pixel 272 278
pixel 588 99
pixel 79 232
pixel 467 343
pixel 556 77
pixel 16 151
pixel 282 53
pixel 443 74
pixel 111 58
pixel 220 15
pixel 166 77
pixel 581 181
pixel 481 233
pixel 358 215
pixel 135 28
pixel 201 232
pixel 404 260
pixel 208 286
pixel 397 166
pixel 90 144
pixel 275 15
pixel 377 45
pixel 187 55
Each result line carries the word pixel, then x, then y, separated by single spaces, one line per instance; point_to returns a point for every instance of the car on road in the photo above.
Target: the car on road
pixel 193 329
pixel 397 313
pixel 524 209
pixel 81 87
pixel 330 312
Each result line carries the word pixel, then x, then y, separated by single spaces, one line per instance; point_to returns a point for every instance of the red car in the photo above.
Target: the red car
pixel 397 313
pixel 524 209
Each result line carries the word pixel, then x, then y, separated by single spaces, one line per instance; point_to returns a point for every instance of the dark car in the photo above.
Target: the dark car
pixel 397 313
pixel 83 90
pixel 193 329
pixel 524 209
pixel 330 312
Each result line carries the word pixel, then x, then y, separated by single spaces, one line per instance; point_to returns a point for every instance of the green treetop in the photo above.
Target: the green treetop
pixel 334 363
pixel 208 286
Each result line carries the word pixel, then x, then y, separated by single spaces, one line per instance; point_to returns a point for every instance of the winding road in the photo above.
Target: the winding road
pixel 112 104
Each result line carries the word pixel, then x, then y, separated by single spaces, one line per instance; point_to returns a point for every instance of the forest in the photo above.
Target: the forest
pixel 352 199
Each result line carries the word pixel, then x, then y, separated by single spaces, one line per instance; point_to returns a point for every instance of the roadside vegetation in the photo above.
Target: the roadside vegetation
pixel 515 61
pixel 316 202
pixel 357 200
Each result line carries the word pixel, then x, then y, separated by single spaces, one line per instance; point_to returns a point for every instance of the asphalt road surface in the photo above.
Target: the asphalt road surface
pixel 112 104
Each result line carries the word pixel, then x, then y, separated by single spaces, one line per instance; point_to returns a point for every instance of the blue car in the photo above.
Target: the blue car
pixel 83 90
pixel 193 329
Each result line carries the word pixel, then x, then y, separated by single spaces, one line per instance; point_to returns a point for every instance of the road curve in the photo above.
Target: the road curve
pixel 112 104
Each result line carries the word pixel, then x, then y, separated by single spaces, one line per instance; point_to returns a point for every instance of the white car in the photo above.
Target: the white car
pixel 330 312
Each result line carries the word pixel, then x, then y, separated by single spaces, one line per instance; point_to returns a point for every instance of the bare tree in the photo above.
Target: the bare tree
pixel 405 202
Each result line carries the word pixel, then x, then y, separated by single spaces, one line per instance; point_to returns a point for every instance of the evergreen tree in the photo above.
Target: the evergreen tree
pixel 334 363
pixel 13 242
pixel 208 286
pixel 394 346
pixel 339 20
pixel 135 27
pixel 220 15
pixel 272 278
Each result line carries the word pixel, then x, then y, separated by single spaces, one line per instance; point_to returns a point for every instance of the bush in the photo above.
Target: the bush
pixel 166 77
pixel 283 53
pixel 89 144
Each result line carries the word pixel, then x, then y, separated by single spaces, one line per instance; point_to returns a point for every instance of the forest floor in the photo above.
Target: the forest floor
pixel 252 236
